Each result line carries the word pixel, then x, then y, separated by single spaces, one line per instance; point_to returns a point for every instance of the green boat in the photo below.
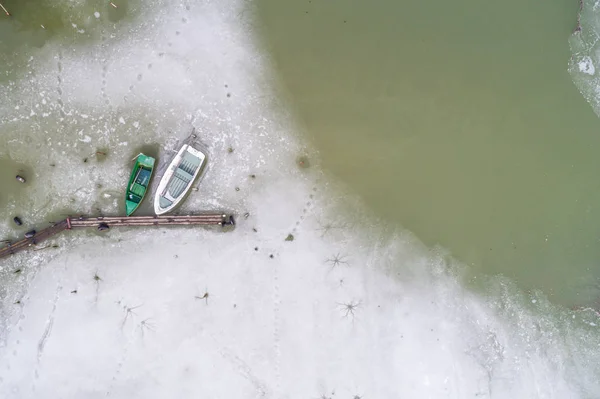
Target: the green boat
pixel 138 182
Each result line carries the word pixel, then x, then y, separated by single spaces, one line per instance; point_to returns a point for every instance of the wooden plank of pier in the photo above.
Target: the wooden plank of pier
pixel 116 221
pixel 25 243
pixel 103 222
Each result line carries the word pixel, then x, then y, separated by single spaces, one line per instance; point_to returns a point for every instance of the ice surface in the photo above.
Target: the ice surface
pixel 587 66
pixel 271 327
pixel 349 308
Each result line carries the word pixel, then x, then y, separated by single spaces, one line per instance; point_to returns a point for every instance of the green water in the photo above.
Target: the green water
pixel 456 120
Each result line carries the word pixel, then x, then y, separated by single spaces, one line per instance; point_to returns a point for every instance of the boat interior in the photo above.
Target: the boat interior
pixel 183 175
pixel 140 184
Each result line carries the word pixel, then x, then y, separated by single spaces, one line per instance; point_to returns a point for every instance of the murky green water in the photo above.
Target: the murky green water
pixel 457 120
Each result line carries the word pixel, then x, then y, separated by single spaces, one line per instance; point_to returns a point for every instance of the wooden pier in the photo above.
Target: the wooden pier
pixel 107 222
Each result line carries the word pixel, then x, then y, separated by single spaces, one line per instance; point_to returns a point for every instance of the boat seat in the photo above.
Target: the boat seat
pixel 183 175
pixel 138 189
pixel 143 177
pixel 178 185
pixel 134 198
pixel 164 202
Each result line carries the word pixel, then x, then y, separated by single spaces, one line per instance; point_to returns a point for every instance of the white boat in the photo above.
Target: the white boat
pixel 178 179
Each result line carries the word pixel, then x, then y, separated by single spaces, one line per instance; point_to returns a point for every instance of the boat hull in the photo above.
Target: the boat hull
pixel 178 179
pixel 139 182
